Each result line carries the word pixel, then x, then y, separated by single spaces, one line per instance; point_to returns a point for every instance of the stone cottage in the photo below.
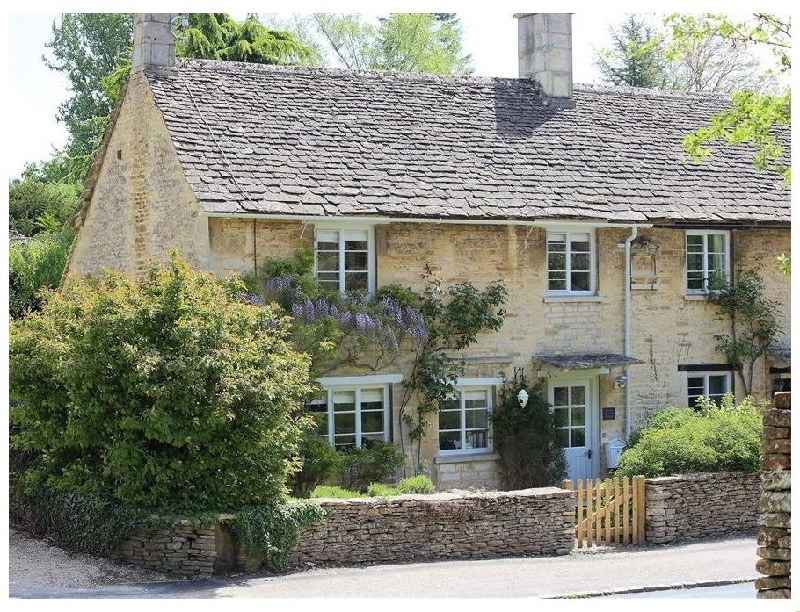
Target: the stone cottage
pixel 579 198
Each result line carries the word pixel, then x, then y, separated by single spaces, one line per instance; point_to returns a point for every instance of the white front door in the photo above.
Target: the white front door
pixel 575 406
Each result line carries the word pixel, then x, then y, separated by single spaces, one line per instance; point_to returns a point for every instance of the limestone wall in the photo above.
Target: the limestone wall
pixel 441 526
pixel 700 505
pixel 382 530
pixel 774 519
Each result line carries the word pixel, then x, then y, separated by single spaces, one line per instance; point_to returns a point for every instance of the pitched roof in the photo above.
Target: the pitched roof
pixel 309 141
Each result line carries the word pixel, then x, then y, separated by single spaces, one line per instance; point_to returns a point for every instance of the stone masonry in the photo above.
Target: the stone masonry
pixel 774 519
pixel 441 526
pixel 700 505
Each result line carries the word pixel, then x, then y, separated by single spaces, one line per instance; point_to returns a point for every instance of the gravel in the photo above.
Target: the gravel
pixel 36 563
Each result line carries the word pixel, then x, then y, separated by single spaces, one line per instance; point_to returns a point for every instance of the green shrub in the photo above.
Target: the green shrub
pixel 724 438
pixel 415 485
pixel 526 439
pixel 320 461
pixel 335 492
pixel 166 393
pixel 33 267
pixel 368 464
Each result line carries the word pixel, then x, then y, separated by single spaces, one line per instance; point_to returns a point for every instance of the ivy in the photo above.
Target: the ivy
pixel 272 530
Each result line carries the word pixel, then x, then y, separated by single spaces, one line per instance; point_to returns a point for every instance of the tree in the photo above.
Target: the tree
pixel 753 320
pixel 637 57
pixel 754 117
pixel 412 42
pixel 165 393
pixel 35 206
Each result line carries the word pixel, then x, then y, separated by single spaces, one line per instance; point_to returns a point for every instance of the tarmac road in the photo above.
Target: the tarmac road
pixel 710 562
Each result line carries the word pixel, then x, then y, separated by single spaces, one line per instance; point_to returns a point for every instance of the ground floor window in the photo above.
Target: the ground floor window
pixel 351 412
pixel 464 424
pixel 712 385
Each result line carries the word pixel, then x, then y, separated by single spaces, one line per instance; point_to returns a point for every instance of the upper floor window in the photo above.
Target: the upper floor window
pixel 712 385
pixel 345 259
pixel 570 263
pixel 464 420
pixel 707 256
pixel 353 412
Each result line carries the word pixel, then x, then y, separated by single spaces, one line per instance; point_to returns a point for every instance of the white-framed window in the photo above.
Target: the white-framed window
pixel 353 411
pixel 712 385
pixel 570 263
pixel 345 259
pixel 707 260
pixel 464 425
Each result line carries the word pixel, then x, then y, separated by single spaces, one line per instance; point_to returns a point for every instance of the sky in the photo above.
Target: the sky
pixel 34 92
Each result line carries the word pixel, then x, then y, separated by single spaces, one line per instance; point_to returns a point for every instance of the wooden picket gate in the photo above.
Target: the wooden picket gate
pixel 609 511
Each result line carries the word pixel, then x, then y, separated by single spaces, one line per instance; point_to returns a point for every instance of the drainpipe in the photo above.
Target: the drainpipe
pixel 628 240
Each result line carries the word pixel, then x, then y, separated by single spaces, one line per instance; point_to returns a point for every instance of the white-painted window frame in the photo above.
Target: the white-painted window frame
pixel 464 386
pixel 345 231
pixel 567 232
pixel 705 258
pixel 727 375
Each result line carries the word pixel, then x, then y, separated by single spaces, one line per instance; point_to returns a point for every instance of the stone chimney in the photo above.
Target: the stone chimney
pixel 545 53
pixel 153 41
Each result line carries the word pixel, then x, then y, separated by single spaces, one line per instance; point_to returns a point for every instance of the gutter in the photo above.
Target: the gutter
pixel 627 352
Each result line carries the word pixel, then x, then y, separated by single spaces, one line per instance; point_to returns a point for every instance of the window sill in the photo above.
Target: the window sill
pixel 695 297
pixel 571 298
pixel 464 457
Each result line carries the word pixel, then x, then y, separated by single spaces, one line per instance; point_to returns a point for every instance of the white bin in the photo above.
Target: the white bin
pixel 613 452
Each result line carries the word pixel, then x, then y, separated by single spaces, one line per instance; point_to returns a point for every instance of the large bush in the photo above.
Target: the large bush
pixel 526 437
pixel 166 393
pixel 714 438
pixel 33 266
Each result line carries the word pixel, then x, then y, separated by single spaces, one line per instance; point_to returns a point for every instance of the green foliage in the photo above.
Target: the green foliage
pixel 753 117
pixel 526 438
pixel 410 42
pixel 753 319
pixel 368 464
pixel 419 485
pixel 784 264
pixel 334 492
pixel 637 57
pixel 320 461
pixel 35 206
pixel 166 392
pixel 217 36
pixel 33 268
pixel 454 318
pixel 79 521
pixel 714 438
pixel 271 530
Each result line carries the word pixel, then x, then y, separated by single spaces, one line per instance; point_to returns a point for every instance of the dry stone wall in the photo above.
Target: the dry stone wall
pixel 440 526
pixel 774 519
pixel 700 505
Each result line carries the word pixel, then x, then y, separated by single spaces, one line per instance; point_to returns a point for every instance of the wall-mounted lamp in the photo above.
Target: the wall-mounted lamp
pixel 522 396
pixel 620 381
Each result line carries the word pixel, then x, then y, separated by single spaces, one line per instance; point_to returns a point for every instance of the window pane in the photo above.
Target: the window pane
pixel 344 423
pixel 449 440
pixel 344 400
pixel 694 243
pixel 561 417
pixel 475 399
pixel 716 243
pixel 580 261
pixel 717 385
pixel 327 261
pixel 355 281
pixel 476 418
pixel 450 404
pixel 450 419
pixel 557 281
pixel 345 441
pixel 580 281
pixel 578 416
pixel 355 261
pixel 578 395
pixel 476 439
pixel 579 243
pixel 355 245
pixel 371 422
pixel 578 437
pixel 560 396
